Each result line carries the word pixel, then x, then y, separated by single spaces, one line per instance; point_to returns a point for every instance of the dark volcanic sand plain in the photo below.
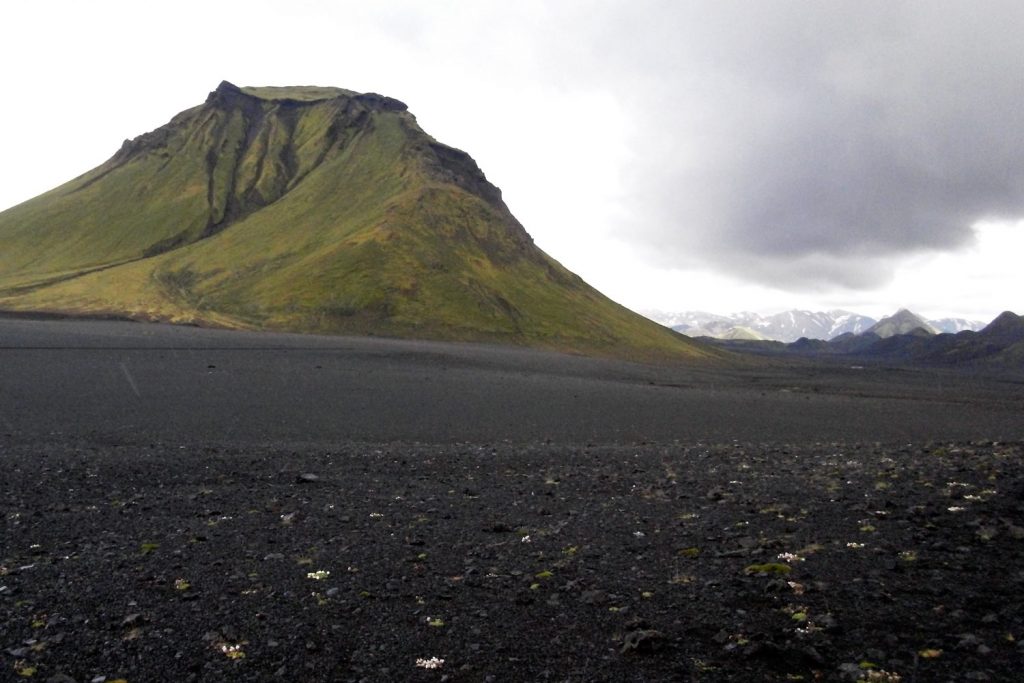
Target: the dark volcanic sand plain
pixel 184 504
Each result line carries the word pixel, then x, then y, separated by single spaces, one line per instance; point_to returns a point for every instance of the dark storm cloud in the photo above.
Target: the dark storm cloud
pixel 796 142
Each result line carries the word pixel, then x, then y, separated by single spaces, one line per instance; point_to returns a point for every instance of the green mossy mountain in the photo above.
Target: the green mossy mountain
pixel 305 209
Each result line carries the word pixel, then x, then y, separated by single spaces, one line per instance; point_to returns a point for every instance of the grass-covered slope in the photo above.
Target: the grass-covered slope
pixel 305 209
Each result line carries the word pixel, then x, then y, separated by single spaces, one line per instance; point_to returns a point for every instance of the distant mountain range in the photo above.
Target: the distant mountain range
pixel 905 338
pixel 789 326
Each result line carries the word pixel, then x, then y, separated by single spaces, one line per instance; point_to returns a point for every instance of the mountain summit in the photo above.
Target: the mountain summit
pixel 902 321
pixel 307 209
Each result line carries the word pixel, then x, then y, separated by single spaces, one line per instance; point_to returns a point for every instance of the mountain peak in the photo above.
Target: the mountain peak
pixel 1007 326
pixel 227 87
pixel 229 93
pixel 1005 319
pixel 903 321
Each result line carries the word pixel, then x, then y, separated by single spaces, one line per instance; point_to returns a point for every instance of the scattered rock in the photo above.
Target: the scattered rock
pixel 60 678
pixel 643 641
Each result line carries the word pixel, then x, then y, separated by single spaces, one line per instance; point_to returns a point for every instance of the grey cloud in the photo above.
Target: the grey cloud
pixel 796 142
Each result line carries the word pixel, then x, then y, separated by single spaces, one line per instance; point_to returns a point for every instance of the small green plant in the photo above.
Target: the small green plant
pixel 24 669
pixel 148 547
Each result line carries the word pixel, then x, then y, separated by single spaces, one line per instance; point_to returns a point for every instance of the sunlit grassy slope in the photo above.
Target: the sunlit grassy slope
pixel 307 209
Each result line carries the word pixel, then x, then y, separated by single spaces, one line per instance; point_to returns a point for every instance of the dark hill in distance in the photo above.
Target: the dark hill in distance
pixel 312 210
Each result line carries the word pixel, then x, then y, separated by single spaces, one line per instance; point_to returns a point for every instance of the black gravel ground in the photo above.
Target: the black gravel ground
pixel 196 505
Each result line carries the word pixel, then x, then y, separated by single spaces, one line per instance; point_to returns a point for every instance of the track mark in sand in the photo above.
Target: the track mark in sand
pixel 128 376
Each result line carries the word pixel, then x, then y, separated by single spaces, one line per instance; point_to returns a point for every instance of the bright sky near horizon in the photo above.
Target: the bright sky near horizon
pixel 718 156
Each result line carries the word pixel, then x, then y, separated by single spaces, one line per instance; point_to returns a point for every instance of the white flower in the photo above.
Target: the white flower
pixel 432 663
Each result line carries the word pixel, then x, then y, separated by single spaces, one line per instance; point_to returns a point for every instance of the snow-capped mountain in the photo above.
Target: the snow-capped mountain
pixel 844 322
pixel 954 325
pixel 787 326
pixel 689 319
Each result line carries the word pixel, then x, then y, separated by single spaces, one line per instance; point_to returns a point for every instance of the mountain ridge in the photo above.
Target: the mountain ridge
pixel 787 326
pixel 999 345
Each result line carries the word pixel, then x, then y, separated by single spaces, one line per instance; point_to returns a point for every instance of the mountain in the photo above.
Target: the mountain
pixel 1006 329
pixel 306 209
pixel 741 332
pixel 954 325
pixel 787 326
pixel 792 325
pixel 690 320
pixel 1000 343
pixel 899 323
pixel 998 346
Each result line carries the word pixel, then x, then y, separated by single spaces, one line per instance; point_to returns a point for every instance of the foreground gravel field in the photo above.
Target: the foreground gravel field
pixel 199 505
pixel 402 561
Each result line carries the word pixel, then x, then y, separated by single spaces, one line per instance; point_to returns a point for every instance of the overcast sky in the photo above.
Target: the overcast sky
pixel 715 155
